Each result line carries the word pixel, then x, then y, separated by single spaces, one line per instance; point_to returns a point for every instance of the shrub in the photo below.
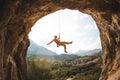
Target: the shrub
pixel 38 70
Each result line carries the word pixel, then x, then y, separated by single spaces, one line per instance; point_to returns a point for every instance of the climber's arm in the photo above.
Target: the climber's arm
pixel 59 36
pixel 50 42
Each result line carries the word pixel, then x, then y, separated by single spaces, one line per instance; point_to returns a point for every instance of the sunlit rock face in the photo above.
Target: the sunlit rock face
pixel 18 16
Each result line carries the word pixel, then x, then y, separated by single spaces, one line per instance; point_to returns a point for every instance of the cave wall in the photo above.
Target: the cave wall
pixel 18 16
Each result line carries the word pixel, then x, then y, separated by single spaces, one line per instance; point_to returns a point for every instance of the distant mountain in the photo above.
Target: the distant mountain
pixel 35 49
pixel 87 52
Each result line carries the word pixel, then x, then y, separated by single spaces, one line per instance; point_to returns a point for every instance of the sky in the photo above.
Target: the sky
pixel 72 26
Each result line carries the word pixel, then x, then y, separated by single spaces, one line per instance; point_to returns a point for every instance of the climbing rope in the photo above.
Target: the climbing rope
pixel 59 22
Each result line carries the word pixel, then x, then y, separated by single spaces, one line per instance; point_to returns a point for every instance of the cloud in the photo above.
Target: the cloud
pixel 95 45
pixel 90 27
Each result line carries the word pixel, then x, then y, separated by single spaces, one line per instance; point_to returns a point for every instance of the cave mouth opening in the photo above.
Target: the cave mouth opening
pixel 72 25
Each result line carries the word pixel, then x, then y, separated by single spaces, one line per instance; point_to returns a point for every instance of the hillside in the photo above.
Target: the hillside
pixel 35 49
pixel 79 68
pixel 76 67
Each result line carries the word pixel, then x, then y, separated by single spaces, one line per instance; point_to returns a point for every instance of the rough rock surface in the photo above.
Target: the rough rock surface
pixel 18 16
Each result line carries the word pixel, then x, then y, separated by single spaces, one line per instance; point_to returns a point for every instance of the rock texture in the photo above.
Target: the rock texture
pixel 18 16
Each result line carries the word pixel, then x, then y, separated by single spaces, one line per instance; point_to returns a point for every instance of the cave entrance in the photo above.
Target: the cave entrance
pixel 72 25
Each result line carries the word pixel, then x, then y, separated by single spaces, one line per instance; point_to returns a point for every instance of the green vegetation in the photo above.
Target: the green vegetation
pixel 39 69
pixel 80 68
